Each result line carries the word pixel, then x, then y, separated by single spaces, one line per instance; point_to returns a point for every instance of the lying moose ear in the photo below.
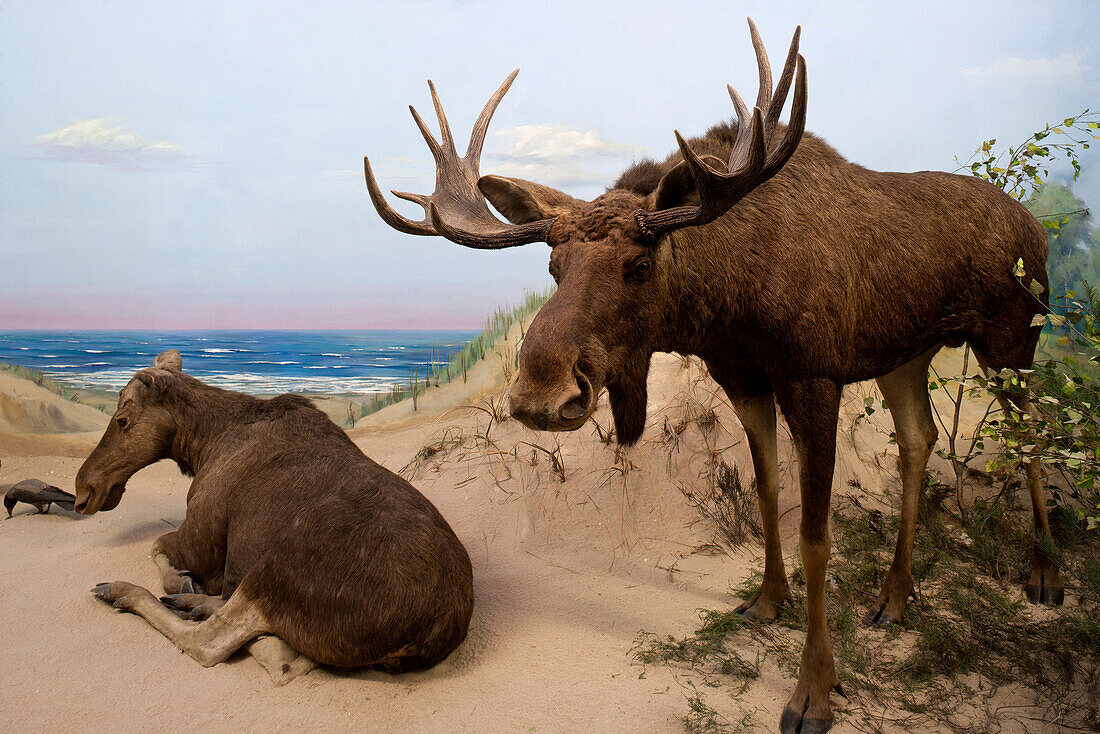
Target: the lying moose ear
pixel 525 201
pixel 677 187
pixel 148 379
pixel 156 379
pixel 169 360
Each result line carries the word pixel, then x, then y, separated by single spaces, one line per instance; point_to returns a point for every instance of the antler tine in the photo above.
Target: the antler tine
pixel 446 140
pixel 437 152
pixel 699 167
pixel 795 125
pixel 389 215
pixel 780 96
pixel 750 162
pixel 764 95
pixel 741 142
pixel 757 150
pixel 420 199
pixel 456 195
pixel 477 136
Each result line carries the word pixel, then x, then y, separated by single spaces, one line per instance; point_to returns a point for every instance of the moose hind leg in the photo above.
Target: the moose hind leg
pixel 281 661
pixel 906 391
pixel 209 642
pixel 757 416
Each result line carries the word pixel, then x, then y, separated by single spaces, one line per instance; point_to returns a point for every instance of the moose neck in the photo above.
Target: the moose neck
pixel 706 288
pixel 204 420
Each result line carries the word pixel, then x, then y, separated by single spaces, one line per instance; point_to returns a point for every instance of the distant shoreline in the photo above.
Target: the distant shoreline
pixel 350 363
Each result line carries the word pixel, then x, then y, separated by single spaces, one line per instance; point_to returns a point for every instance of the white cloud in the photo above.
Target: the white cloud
pixel 556 154
pixel 550 154
pixel 1069 68
pixel 559 141
pixel 106 142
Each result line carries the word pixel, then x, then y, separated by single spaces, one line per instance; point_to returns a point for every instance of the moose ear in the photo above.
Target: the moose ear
pixel 525 201
pixel 169 360
pixel 156 379
pixel 677 187
pixel 150 380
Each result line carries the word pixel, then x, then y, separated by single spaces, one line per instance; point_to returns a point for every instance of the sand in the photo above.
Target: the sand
pixel 567 574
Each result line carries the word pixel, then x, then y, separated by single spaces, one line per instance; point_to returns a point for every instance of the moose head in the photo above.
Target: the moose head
pixel 139 434
pixel 620 278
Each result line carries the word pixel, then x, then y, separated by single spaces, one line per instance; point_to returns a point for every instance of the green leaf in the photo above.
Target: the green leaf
pixel 1018 271
pixel 1038 319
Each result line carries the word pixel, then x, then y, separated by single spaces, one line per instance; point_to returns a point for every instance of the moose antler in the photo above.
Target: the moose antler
pixel 457 209
pixel 753 159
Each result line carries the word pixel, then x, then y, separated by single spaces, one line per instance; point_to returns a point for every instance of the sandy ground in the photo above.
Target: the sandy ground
pixel 569 566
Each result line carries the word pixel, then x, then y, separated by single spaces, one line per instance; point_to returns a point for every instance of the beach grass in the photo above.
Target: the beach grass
pixel 39 378
pixel 440 371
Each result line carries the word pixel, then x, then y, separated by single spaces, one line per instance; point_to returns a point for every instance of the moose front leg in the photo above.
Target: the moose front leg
pixel 757 416
pixel 209 642
pixel 183 569
pixel 812 408
pixel 281 661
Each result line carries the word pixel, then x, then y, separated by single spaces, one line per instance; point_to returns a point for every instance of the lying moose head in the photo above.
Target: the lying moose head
pixel 140 433
pixel 621 282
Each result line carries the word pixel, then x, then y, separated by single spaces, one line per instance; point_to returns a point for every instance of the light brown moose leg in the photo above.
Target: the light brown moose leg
pixel 757 416
pixel 208 642
pixel 812 408
pixel 172 579
pixel 196 606
pixel 281 661
pixel 906 392
pixel 1044 586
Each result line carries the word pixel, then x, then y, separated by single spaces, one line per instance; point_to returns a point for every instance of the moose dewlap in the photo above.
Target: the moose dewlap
pixel 291 531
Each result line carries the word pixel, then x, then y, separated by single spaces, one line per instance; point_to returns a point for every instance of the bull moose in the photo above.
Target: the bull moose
pixel 790 272
pixel 291 531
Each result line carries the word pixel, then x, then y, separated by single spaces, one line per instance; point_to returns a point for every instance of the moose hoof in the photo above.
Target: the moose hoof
pixel 760 608
pixel 195 607
pixel 1049 595
pixel 879 619
pixel 188 584
pixel 793 722
pixel 113 593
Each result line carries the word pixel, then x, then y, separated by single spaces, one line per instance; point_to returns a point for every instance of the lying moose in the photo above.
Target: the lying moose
pixel 290 531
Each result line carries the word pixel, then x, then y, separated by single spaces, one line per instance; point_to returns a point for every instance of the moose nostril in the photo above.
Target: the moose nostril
pixel 577 407
pixel 574 409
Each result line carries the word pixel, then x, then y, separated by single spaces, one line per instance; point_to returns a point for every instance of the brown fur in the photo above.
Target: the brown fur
pixel 824 275
pixel 341 558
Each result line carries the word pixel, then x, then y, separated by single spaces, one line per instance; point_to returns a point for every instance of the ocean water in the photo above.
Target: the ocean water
pixel 256 362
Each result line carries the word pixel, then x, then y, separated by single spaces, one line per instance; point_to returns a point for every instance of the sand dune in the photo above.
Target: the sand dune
pixel 576 549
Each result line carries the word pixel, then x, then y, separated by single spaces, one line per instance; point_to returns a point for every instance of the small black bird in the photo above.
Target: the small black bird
pixel 38 493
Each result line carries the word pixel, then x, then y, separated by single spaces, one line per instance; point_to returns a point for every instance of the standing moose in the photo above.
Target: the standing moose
pixel 791 272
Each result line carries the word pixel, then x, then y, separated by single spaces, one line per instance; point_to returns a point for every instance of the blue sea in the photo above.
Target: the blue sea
pixel 256 362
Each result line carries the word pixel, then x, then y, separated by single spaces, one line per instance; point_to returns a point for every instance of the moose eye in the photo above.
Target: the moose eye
pixel 121 422
pixel 639 270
